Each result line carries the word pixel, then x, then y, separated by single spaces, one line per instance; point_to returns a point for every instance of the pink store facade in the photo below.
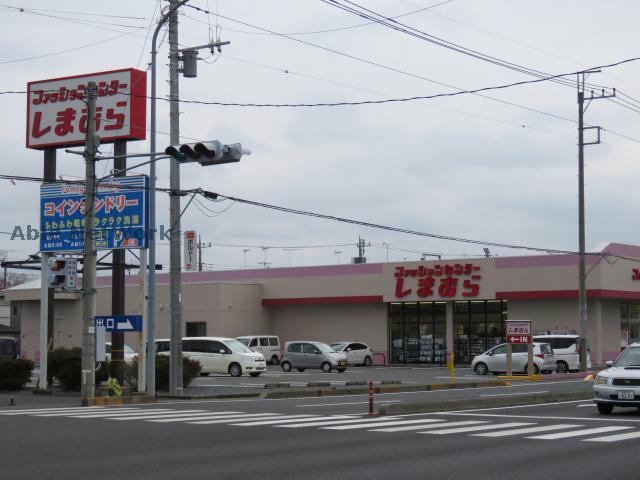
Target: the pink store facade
pixel 408 312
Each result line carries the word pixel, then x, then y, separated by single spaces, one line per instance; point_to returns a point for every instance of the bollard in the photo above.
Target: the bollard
pixel 11 402
pixel 371 412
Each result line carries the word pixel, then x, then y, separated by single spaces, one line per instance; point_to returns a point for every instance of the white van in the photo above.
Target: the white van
pixel 267 345
pixel 218 355
pixel 566 348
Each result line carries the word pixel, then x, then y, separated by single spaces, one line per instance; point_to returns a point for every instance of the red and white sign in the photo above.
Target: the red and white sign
pixel 635 274
pixel 438 281
pixel 519 331
pixel 190 256
pixel 57 116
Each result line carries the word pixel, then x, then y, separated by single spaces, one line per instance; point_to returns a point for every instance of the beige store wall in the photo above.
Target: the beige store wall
pixel 330 323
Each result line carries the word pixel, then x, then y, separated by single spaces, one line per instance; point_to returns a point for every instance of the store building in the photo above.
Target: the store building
pixel 408 312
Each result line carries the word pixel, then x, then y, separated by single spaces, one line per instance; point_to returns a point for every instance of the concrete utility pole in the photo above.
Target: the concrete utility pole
pixel 582 276
pixel 89 253
pixel 175 268
pixel 200 247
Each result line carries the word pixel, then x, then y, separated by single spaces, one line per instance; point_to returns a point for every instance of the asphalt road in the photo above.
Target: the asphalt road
pixel 275 440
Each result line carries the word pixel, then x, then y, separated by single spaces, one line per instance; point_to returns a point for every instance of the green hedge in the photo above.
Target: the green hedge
pixel 65 364
pixel 190 370
pixel 14 374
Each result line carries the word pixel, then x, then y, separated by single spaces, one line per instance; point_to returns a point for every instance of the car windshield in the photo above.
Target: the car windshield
pixel 244 341
pixel 324 348
pixel 338 346
pixel 236 346
pixel 629 358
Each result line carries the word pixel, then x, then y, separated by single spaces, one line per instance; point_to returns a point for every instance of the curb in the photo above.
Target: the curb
pixel 475 403
pixel 109 401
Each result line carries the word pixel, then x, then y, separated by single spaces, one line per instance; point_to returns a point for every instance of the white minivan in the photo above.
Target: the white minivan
pixel 218 355
pixel 267 345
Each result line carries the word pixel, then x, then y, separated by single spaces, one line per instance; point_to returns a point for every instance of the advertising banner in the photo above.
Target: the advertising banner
pixel 57 116
pixel 190 259
pixel 121 215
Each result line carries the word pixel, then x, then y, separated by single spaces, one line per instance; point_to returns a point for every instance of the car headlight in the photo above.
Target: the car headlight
pixel 601 380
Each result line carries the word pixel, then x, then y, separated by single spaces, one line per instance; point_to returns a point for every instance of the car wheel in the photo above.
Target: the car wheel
pixel 605 408
pixel 204 374
pixel 562 367
pixel 235 370
pixel 274 360
pixel 341 370
pixel 481 368
pixel 326 367
pixel 536 370
pixel 300 369
pixel 286 366
pixel 255 374
pixel 367 361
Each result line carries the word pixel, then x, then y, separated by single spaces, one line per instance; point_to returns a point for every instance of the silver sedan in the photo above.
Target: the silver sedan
pixel 495 359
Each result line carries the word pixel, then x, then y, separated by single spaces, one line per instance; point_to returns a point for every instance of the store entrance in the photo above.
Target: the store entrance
pixel 417 332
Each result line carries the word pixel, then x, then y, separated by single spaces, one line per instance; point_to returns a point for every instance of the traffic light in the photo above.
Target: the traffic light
pixel 207 153
pixel 62 272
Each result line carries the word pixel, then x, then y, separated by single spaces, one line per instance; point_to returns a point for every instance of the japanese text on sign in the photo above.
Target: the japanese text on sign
pixel 57 116
pixel 520 327
pixel 444 281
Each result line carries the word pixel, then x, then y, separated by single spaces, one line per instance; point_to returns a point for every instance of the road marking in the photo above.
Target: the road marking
pixel 423 427
pixel 334 422
pixel 146 415
pixel 262 416
pixel 511 394
pixel 345 403
pixel 586 405
pixel 577 433
pixel 122 411
pixel 232 386
pixel 537 417
pixel 382 424
pixel 237 416
pixel 520 431
pixel 478 428
pixel 614 438
pixel 180 416
pixel 282 419
pixel 34 411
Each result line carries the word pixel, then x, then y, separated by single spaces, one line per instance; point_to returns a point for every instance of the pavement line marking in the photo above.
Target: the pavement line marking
pixel 344 403
pixel 514 406
pixel 231 386
pixel 208 416
pixel 614 438
pixel 181 415
pixel 577 433
pixel 32 411
pixel 263 416
pixel 520 431
pixel 422 427
pixel 382 424
pixel 537 417
pixel 477 428
pixel 282 419
pixel 586 405
pixel 83 413
pixel 147 415
pixel 512 394
pixel 123 414
pixel 334 422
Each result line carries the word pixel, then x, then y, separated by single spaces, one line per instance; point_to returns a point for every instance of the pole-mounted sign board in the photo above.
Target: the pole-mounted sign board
pixel 121 215
pixel 190 256
pixel 519 331
pixel 120 323
pixel 57 116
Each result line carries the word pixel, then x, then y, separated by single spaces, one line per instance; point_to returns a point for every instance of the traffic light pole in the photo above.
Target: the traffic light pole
pixel 87 385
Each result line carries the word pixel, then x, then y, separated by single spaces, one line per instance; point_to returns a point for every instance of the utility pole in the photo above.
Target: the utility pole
pixel 245 250
pixel 175 271
pixel 87 389
pixel 582 276
pixel 200 247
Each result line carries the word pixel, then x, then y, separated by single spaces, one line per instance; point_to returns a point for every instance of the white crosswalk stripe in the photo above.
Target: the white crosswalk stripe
pixel 237 416
pixel 322 423
pixel 477 428
pixel 522 431
pixel 440 424
pixel 288 418
pixel 32 411
pixel 380 423
pixel 181 416
pixel 272 416
pixel 578 433
pixel 150 414
pixel 614 438
pixel 90 413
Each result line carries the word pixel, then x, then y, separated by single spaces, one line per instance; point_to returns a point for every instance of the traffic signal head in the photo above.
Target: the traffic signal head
pixel 62 272
pixel 207 153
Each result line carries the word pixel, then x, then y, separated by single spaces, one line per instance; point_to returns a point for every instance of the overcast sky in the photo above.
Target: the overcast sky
pixel 465 166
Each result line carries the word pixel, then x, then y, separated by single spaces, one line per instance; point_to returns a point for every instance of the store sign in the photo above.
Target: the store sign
pixel 57 116
pixel 190 250
pixel 635 274
pixel 438 281
pixel 121 215
pixel 519 331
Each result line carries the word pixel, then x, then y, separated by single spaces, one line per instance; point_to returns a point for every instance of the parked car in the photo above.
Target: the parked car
pixel 566 348
pixel 267 345
pixel 129 353
pixel 495 359
pixel 309 354
pixel 218 355
pixel 619 385
pixel 357 353
pixel 8 348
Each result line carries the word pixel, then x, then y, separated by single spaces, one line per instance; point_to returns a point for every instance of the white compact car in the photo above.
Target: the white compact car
pixel 218 355
pixel 495 360
pixel 357 353
pixel 619 385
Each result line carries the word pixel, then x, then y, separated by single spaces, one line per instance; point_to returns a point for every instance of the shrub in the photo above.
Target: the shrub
pixel 14 374
pixel 66 365
pixel 190 370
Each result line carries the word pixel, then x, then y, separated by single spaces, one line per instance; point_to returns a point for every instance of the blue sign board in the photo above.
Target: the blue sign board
pixel 120 323
pixel 121 215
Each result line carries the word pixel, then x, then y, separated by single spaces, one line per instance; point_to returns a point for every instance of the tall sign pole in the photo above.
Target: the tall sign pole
pixel 175 364
pixel 87 386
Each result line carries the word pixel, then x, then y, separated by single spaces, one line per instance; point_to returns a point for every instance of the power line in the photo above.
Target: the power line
pixel 77 13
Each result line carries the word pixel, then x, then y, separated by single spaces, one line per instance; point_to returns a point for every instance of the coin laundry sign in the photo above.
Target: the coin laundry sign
pixel 57 116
